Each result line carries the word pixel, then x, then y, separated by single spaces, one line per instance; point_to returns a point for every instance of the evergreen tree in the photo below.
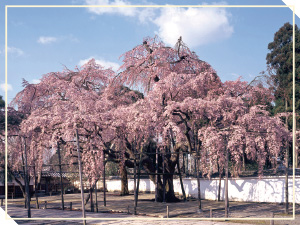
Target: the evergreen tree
pixel 2 102
pixel 280 68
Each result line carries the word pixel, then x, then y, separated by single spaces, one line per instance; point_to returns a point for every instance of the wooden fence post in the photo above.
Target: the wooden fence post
pixel 272 221
pixel 104 187
pixel 80 177
pixel 96 198
pixel 156 176
pixel 167 211
pixel 35 190
pixel 226 183
pixel 61 178
pixel 138 181
pixel 91 199
pixel 164 178
pixel 198 182
pixel 27 181
pixel 134 186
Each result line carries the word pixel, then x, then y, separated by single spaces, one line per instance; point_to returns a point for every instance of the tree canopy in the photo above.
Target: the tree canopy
pixel 280 67
pixel 182 106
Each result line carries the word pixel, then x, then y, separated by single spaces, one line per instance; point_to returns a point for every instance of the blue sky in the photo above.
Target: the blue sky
pixel 41 40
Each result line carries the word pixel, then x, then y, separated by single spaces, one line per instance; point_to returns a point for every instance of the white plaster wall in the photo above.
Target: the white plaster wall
pixel 268 189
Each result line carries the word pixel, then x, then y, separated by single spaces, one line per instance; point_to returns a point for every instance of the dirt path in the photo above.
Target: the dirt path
pixel 119 218
pixel 118 206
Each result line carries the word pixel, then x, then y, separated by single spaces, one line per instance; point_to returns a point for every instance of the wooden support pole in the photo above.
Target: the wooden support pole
pixel 226 183
pixel 220 183
pixel 127 209
pixel 297 153
pixel 156 176
pixel 27 182
pixel 70 206
pixel 80 177
pixel 187 164
pixel 23 166
pixel 167 211
pixel 35 190
pixel 210 213
pixel 197 150
pixel 91 199
pixel 1 202
pixel 272 221
pixel 164 179
pixel 286 166
pixel 195 163
pixel 198 183
pixel 134 187
pixel 138 181
pixel 104 186
pixel 286 190
pixel 96 198
pixel 183 163
pixel 45 205
pixel 61 178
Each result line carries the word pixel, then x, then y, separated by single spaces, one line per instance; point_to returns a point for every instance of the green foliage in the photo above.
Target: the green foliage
pixel 280 64
pixel 111 169
pixel 2 102
pixel 14 118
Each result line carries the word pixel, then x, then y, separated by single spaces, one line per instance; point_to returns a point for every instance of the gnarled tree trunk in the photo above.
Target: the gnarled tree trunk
pixel 124 181
pixel 148 164
pixel 170 164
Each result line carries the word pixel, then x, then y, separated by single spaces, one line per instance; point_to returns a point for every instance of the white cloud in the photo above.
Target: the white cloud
pixel 197 26
pixel 9 87
pixel 35 81
pixel 235 75
pixel 46 39
pixel 125 11
pixel 103 63
pixel 146 14
pixel 14 51
pixel 51 39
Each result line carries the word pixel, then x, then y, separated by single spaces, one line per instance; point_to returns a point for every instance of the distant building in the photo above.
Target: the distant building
pixel 49 184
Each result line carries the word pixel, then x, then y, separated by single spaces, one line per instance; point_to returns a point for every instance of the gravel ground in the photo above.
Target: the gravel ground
pixel 148 211
pixel 120 218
